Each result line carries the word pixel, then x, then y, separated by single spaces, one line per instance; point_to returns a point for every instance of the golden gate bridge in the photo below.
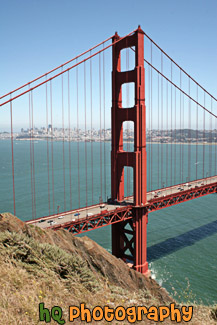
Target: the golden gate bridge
pixel 173 121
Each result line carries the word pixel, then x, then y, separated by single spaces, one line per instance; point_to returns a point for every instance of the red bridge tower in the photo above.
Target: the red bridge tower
pixel 136 227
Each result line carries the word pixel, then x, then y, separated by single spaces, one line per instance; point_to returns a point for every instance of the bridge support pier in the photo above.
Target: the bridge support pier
pixel 129 240
pixel 140 240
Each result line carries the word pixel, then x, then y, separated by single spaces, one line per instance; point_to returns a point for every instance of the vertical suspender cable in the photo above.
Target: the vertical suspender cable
pixel 210 143
pixel 30 150
pixel 104 124
pixel 33 156
pixel 52 160
pixel 180 124
pixel 183 143
pixel 91 123
pixel 12 156
pixel 183 136
pixel 196 163
pixel 167 132
pixel 63 142
pixel 48 162
pixel 215 141
pixel 100 125
pixel 85 127
pixel 204 135
pixel 79 203
pixel 181 133
pixel 189 132
pixel 158 125
pixel 171 146
pixel 161 119
pixel 149 131
pixel 151 108
pixel 69 135
pixel 175 142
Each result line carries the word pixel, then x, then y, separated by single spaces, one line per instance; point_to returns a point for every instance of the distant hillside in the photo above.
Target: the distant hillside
pixel 58 269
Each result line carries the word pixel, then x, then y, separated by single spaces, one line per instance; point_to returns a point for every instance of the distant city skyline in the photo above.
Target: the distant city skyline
pixel 96 135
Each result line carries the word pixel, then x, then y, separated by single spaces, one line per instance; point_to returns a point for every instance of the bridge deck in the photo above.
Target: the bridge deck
pixel 92 217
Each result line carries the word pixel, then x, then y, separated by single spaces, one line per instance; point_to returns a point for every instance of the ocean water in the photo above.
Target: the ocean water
pixel 182 240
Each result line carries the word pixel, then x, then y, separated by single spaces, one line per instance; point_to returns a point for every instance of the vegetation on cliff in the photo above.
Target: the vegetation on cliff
pixel 59 269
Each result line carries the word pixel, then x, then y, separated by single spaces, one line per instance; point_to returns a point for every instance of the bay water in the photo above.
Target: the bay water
pixel 182 240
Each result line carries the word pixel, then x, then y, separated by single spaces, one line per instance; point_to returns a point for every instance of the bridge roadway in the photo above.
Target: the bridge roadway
pixel 156 199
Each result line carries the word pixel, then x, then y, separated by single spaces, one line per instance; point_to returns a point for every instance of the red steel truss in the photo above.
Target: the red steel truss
pixel 180 197
pixel 125 213
pixel 100 220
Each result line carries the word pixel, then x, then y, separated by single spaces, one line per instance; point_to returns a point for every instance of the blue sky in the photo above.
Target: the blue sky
pixel 36 36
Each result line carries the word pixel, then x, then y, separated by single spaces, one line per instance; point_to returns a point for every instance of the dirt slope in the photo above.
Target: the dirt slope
pixel 59 269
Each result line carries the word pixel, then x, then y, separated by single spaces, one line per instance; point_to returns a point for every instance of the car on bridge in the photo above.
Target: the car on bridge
pixel 103 211
pixel 77 214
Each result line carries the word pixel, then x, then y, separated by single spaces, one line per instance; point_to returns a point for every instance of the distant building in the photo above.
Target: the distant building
pixel 49 127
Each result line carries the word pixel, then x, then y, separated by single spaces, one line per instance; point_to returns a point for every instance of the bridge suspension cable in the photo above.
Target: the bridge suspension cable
pixel 79 96
pixel 188 101
pixel 60 66
pixel 188 75
pixel 177 87
pixel 60 73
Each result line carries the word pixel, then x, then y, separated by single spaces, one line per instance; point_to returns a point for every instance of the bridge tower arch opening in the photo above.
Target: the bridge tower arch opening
pixel 137 227
pixel 128 182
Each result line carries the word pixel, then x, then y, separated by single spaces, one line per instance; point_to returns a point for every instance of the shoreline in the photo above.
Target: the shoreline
pixel 125 141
